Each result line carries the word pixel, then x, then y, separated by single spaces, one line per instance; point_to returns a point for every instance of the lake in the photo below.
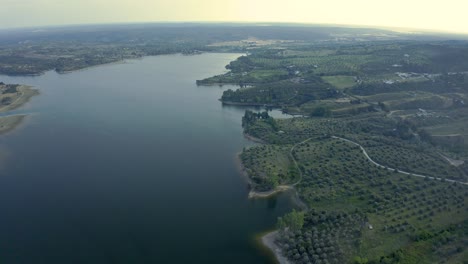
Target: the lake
pixel 130 163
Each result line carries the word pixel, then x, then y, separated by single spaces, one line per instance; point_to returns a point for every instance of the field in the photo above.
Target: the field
pixel 340 81
pixel 413 158
pixel 346 80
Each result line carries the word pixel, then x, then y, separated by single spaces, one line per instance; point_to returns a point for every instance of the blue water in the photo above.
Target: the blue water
pixel 130 163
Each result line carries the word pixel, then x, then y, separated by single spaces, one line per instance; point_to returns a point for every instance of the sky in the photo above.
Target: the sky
pixel 446 15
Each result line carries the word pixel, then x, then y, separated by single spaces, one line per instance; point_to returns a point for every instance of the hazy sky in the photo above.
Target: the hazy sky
pixel 446 15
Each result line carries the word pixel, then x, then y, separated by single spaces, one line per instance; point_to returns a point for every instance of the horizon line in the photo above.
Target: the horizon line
pixel 406 30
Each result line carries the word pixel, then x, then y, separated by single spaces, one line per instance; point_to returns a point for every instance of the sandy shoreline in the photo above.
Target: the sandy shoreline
pixel 254 139
pixel 11 122
pixel 268 241
pixel 26 93
pixel 281 188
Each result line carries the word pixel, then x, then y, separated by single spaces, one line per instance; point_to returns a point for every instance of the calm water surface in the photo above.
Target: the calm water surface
pixel 129 163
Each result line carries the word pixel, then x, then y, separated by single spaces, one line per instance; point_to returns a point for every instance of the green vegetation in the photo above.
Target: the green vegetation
pixel 293 221
pixel 416 158
pixel 403 203
pixel 351 79
pixel 269 166
pixel 340 81
pixel 379 156
pixel 359 211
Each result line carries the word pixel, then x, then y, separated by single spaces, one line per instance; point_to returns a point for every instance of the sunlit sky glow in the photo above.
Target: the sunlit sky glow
pixel 447 15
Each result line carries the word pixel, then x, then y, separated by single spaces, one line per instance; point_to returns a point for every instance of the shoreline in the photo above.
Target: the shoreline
pixel 208 84
pixel 9 123
pixel 249 104
pixel 214 84
pixel 252 193
pixel 27 92
pixel 268 241
pixel 119 61
pixel 254 139
pixel 267 194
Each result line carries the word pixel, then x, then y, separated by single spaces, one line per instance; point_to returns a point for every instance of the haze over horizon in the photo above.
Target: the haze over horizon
pixel 446 16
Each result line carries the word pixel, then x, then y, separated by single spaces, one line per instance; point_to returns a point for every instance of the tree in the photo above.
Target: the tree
pixel 321 112
pixel 293 220
pixel 425 136
pixel 360 260
pixel 383 107
pixel 272 181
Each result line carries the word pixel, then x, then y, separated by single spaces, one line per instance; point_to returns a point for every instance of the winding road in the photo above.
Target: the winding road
pixel 392 169
pixel 295 162
pixel 281 188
